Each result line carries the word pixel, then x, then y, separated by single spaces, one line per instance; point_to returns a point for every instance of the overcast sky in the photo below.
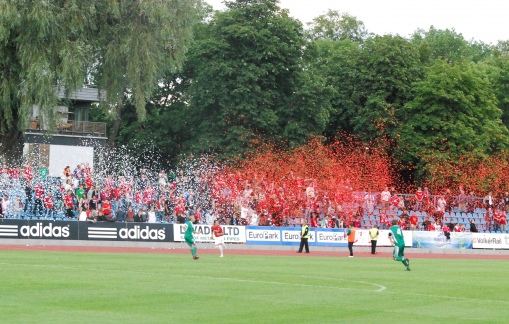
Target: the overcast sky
pixel 484 20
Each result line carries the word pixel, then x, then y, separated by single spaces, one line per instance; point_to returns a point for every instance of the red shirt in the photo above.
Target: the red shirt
pixel 413 220
pixel 198 217
pixel 503 220
pixel 394 201
pixel 314 222
pixel 446 229
pixel 419 195
pixel 138 197
pixel 48 202
pixel 88 183
pixel 148 197
pixel 383 219
pixel 106 208
pixel 14 173
pixel 28 172
pixel 217 230
pixel 497 216
pixel 179 209
pixel 402 224
pixel 39 192
pixel 68 201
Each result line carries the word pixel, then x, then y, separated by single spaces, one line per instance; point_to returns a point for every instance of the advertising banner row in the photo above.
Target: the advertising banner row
pixel 72 230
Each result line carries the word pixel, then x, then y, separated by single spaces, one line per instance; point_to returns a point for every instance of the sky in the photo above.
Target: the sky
pixel 484 20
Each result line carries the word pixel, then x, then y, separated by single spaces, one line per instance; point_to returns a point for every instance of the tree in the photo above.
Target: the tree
pixel 249 83
pixel 336 62
pixel 387 67
pixel 335 25
pixel 454 112
pixel 47 45
pixel 448 44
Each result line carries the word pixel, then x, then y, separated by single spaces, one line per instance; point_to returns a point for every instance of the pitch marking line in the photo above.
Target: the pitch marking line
pixel 381 288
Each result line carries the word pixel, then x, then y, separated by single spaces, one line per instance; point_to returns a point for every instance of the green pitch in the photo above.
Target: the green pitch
pixel 56 287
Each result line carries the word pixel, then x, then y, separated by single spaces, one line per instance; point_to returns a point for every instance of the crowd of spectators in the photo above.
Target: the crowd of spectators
pixel 151 197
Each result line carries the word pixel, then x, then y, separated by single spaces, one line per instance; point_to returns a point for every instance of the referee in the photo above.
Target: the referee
pixel 304 235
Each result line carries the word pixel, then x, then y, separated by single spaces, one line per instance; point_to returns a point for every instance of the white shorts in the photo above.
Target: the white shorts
pixel 219 240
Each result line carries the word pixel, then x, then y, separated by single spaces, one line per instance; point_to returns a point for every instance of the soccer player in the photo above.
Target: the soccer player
pixel 218 236
pixel 188 236
pixel 397 239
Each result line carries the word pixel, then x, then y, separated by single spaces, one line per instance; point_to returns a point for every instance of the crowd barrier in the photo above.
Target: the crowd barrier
pixel 250 235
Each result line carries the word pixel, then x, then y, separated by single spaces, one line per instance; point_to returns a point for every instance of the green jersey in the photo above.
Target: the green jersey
pixel 189 230
pixel 79 193
pixel 397 235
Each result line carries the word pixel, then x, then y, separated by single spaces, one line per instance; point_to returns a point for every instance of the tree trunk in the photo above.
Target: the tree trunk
pixel 116 124
pixel 11 147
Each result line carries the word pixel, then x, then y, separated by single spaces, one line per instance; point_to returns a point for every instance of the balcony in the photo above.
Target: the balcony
pixel 73 128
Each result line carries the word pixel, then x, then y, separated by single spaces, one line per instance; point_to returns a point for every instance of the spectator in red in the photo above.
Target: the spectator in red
pixel 69 204
pixel 462 202
pixel 402 223
pixel 314 220
pixel 419 196
pixel 106 209
pixel 39 196
pixel 447 232
pixel 28 172
pixel 503 222
pixel 471 202
pixel 414 222
pixel 48 205
pixel 395 200
pixel 89 183
pixel 497 216
pixel 384 220
pixel 488 219
pixel 426 197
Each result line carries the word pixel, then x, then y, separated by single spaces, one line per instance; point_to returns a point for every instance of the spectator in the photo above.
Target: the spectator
pixel 17 207
pixel 142 215
pixel 489 201
pixel 385 197
pixel 121 214
pixel 447 232
pixel 419 196
pixel 130 215
pixel 462 202
pixel 152 215
pixel 473 227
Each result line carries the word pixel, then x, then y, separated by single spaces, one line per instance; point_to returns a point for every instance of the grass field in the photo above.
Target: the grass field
pixel 59 287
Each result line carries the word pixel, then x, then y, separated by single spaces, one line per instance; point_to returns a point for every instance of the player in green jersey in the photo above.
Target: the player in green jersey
pixel 397 239
pixel 188 236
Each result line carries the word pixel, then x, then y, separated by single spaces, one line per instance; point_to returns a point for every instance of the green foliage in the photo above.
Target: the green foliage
pixel 454 112
pixel 248 81
pixel 335 25
pixel 448 44
pixel 387 67
pixel 336 63
pixel 50 45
